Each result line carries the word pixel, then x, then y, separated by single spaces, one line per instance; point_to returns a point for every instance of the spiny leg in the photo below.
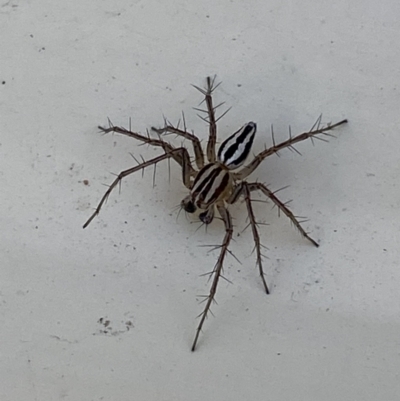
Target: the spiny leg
pixel 256 236
pixel 150 141
pixel 185 175
pixel 315 130
pixel 226 217
pixel 198 151
pixel 256 186
pixel 243 189
pixel 212 138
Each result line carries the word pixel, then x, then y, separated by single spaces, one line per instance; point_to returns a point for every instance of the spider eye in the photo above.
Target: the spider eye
pixel 188 205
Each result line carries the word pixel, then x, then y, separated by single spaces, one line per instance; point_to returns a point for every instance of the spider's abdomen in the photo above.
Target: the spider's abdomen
pixel 234 150
pixel 211 184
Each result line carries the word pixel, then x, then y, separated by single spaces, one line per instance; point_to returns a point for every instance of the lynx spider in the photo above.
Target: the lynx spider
pixel 217 184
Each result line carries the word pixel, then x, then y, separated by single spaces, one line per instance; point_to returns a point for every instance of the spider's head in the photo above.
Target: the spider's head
pixel 188 204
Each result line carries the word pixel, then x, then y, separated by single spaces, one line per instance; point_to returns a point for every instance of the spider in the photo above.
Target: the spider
pixel 218 182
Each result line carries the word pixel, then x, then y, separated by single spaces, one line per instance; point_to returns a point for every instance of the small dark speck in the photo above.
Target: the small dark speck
pixel 155 267
pixel 31 35
pixel 239 85
pixel 85 182
pixel 3 82
pixel 335 231
pixel 207 16
pixel 385 249
pixel 278 353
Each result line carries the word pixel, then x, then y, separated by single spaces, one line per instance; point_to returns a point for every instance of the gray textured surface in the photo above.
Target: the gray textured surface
pixel 330 328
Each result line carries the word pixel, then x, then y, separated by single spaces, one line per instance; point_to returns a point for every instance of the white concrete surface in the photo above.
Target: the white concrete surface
pixel 329 330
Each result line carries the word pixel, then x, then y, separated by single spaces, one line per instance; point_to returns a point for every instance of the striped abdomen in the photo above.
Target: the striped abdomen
pixel 234 150
pixel 210 185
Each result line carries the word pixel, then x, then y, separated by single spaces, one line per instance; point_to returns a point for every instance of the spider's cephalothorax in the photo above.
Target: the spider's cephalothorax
pixel 214 182
pixel 218 183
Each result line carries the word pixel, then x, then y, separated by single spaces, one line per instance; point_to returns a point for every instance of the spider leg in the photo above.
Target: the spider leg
pixel 212 137
pixel 198 152
pixel 256 186
pixel 150 141
pixel 184 156
pixel 226 217
pixel 315 130
pixel 243 189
